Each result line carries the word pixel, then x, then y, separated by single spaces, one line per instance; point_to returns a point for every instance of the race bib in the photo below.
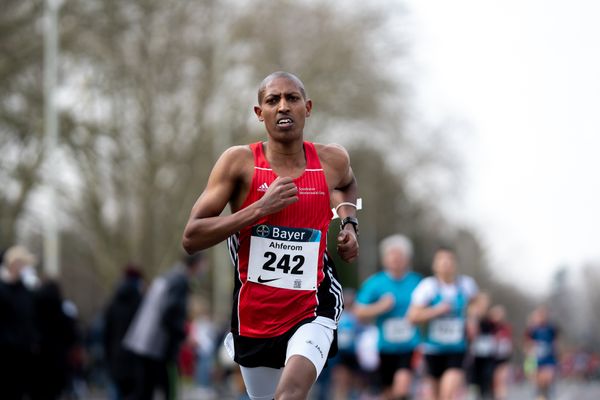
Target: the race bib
pixel 284 257
pixel 543 349
pixel 504 347
pixel 447 330
pixel 398 330
pixel 484 345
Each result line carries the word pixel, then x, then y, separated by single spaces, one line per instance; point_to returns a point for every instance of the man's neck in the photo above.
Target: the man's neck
pixel 287 156
pixel 447 279
pixel 396 274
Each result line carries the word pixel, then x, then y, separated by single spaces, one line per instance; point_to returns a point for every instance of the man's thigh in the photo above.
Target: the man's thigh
pixel 261 382
pixel 312 341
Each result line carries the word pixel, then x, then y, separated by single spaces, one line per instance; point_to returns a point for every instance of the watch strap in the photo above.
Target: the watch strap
pixel 350 220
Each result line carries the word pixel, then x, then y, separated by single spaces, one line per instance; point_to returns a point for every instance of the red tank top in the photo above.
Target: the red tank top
pixel 280 258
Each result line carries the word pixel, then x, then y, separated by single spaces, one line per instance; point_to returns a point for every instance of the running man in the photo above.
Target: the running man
pixel 482 355
pixel 287 299
pixel 385 298
pixel 540 343
pixel 504 350
pixel 442 301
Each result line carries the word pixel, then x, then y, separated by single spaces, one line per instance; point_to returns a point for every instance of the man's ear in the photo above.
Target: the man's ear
pixel 258 112
pixel 308 107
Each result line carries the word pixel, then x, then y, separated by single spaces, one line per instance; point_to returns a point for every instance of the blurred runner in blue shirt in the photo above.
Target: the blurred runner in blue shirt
pixel 540 342
pixel 385 297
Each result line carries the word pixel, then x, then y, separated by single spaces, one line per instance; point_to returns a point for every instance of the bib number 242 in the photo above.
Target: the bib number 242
pixel 288 263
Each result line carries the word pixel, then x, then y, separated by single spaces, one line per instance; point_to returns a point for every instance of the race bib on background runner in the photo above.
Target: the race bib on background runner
pixel 284 257
pixel 398 330
pixel 484 345
pixel 447 330
pixel 543 349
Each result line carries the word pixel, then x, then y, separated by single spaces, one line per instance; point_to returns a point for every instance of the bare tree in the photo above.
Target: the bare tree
pixel 157 89
pixel 21 105
pixel 162 87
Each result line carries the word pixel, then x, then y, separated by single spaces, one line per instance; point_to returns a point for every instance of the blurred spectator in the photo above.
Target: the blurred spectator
pixel 95 360
pixel 158 329
pixel 204 334
pixel 593 371
pixel 117 317
pixel 18 334
pixel 57 336
pixel 186 359
pixel 581 360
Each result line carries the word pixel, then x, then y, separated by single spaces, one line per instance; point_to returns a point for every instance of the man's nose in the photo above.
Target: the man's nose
pixel 283 105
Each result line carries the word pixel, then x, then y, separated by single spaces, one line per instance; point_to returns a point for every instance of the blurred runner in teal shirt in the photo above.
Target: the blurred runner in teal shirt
pixel 385 297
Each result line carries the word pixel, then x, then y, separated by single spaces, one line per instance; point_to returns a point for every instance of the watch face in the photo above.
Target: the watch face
pixel 350 220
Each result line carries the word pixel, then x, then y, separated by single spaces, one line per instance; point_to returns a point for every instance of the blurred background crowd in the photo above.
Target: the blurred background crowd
pixel 150 328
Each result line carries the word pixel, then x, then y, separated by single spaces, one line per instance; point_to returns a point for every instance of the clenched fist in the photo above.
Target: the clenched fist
pixel 281 193
pixel 347 244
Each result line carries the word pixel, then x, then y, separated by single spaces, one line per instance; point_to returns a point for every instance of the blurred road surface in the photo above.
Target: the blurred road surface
pixel 563 391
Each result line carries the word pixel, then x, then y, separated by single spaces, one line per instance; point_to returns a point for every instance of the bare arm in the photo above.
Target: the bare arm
pixel 226 183
pixel 366 312
pixel 418 314
pixel 343 188
pixel 528 342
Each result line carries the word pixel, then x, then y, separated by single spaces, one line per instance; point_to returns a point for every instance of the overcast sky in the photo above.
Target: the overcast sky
pixel 525 76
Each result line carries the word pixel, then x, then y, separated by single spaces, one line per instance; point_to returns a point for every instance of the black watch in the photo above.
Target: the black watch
pixel 350 220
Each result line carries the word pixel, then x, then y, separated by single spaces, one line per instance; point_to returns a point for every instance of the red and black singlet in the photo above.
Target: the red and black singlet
pixel 283 274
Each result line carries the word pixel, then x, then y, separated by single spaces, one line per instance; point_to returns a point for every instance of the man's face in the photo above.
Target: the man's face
pixel 395 261
pixel 15 268
pixel 444 263
pixel 283 109
pixel 540 316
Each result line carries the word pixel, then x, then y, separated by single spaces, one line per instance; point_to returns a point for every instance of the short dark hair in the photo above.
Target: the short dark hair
pixel 445 247
pixel 133 270
pixel 279 74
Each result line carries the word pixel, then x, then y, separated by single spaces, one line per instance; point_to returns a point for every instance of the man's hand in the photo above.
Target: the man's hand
pixel 347 244
pixel 281 193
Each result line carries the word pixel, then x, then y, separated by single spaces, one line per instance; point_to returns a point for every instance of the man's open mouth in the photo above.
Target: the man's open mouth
pixel 284 122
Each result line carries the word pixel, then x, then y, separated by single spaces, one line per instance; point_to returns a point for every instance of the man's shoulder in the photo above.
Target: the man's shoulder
pixel 331 149
pixel 332 154
pixel 237 158
pixel 429 283
pixel 237 151
pixel 378 282
pixel 376 278
pixel 467 283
